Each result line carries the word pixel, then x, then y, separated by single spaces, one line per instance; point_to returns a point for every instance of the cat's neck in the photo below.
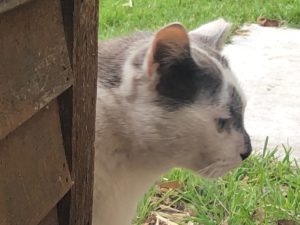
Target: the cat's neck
pixel 123 172
pixel 117 194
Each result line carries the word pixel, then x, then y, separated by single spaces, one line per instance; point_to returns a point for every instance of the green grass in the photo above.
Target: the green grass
pixel 264 190
pixel 116 19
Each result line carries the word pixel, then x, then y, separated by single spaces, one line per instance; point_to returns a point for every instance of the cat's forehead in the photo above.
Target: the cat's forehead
pixel 205 56
pixel 211 57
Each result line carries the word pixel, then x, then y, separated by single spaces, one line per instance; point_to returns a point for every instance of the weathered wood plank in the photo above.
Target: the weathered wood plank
pixel 66 116
pixel 6 5
pixel 67 8
pixel 82 129
pixel 34 174
pixel 34 61
pixel 51 218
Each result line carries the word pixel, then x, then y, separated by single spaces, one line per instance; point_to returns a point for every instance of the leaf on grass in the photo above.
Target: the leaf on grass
pixel 242 32
pixel 265 22
pixel 169 207
pixel 259 214
pixel 284 190
pixel 151 220
pixel 245 180
pixel 191 209
pixel 160 220
pixel 170 185
pixel 224 223
pixel 286 222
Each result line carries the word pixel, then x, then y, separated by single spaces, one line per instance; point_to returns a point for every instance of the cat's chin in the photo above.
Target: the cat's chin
pixel 216 172
pixel 214 175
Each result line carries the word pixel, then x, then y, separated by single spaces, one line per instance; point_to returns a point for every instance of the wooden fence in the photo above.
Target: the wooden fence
pixel 48 71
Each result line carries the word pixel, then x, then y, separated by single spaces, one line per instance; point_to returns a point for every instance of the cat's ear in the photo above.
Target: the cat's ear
pixel 169 45
pixel 213 34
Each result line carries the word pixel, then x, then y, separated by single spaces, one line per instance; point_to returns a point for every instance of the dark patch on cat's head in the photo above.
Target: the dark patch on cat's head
pixel 236 111
pixel 182 80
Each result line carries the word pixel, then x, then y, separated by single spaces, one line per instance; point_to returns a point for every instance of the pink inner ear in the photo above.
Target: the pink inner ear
pixel 174 35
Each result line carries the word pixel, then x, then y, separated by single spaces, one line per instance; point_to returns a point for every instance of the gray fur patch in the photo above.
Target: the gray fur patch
pixel 236 111
pixel 236 108
pixel 112 56
pixel 139 58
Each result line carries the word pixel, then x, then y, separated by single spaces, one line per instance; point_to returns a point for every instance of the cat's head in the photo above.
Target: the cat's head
pixel 187 105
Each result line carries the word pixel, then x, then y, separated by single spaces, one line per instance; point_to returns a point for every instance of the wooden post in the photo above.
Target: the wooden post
pixel 78 109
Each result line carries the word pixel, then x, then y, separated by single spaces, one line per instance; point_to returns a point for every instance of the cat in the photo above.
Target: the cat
pixel 165 99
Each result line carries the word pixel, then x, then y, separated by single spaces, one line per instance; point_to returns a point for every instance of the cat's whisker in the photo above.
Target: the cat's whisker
pixel 206 170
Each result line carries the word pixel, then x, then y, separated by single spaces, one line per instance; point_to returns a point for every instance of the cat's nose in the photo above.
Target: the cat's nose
pixel 248 147
pixel 245 155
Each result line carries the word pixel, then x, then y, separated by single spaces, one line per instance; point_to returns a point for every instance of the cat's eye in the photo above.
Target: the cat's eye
pixel 223 123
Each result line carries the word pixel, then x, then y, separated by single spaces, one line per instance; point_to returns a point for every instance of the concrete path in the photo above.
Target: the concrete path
pixel 267 63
